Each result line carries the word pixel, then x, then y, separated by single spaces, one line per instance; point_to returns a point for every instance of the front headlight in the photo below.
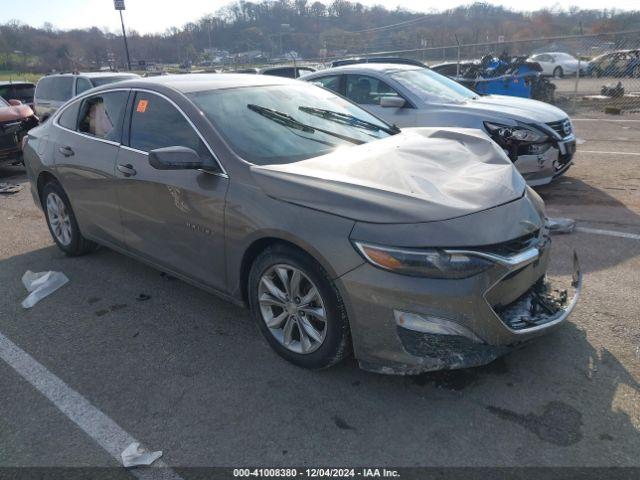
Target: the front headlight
pixel 519 134
pixel 432 263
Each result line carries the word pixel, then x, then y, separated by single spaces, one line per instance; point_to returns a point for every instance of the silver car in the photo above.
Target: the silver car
pixel 536 136
pixel 417 250
pixel 52 91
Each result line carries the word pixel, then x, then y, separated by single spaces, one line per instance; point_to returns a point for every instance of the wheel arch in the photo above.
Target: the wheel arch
pixel 44 177
pixel 259 245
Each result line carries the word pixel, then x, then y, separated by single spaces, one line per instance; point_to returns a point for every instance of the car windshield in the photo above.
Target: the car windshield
pixel 3 103
pixel 432 86
pixel 99 81
pixel 287 123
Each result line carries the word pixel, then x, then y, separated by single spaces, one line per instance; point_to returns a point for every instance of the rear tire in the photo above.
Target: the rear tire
pixel 62 221
pixel 558 73
pixel 298 309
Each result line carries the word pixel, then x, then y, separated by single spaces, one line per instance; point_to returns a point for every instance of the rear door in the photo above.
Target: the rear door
pixel 86 144
pixel 367 91
pixel 175 218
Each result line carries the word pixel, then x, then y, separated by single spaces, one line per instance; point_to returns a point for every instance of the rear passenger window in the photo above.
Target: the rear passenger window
pixel 101 115
pixel 155 123
pixel 82 85
pixel 69 116
pixel 58 89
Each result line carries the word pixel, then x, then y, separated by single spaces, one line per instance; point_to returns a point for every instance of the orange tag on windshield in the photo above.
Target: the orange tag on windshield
pixel 142 106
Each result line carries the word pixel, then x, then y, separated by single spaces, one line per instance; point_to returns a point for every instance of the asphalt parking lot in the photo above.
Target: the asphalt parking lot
pixel 593 85
pixel 187 373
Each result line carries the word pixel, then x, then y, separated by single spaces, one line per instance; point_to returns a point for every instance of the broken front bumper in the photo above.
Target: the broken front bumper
pixel 542 168
pixel 407 325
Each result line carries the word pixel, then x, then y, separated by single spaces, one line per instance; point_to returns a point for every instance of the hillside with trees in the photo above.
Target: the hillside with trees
pixel 312 29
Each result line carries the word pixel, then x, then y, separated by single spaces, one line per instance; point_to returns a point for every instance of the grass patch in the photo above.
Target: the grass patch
pixel 19 76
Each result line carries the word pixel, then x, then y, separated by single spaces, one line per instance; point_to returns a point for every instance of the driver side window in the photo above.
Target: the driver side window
pixel 155 123
pixel 366 90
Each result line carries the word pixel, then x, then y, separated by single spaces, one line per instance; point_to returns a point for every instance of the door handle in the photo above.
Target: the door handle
pixel 66 151
pixel 127 170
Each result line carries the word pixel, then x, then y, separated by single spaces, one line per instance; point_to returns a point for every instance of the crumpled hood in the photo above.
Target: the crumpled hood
pixel 419 175
pixel 524 110
pixel 12 113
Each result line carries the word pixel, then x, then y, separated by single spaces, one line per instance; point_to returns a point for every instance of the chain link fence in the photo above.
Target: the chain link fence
pixel 583 73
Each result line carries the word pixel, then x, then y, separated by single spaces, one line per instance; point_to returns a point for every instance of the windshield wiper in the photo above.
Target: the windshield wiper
pixel 347 119
pixel 288 121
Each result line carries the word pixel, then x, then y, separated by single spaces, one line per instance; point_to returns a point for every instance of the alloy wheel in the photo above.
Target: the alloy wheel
pixel 59 219
pixel 292 308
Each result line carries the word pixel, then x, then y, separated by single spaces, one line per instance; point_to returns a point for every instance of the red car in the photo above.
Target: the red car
pixel 16 119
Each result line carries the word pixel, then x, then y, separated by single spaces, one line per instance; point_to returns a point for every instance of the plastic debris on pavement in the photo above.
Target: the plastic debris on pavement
pixel 41 284
pixel 561 225
pixel 135 455
pixel 9 188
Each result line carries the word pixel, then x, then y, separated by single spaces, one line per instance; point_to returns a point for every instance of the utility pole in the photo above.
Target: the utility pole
pixel 119 5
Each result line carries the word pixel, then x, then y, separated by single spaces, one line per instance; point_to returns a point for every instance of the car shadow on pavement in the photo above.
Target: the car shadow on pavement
pixel 182 367
pixel 570 191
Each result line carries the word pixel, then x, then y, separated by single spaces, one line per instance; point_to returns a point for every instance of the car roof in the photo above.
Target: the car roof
pixel 90 74
pixel 196 82
pixel 371 67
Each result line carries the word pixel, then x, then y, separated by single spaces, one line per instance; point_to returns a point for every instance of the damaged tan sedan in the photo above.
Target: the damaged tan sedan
pixel 417 250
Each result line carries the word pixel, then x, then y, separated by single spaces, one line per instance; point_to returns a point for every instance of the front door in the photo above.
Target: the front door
pixel 175 218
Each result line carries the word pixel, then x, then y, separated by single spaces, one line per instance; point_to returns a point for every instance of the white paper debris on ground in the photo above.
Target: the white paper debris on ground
pixel 135 455
pixel 40 285
pixel 561 225
pixel 9 188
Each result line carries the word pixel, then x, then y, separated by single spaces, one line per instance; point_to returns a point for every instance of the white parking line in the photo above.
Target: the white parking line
pixel 610 153
pixel 104 431
pixel 610 233
pixel 615 120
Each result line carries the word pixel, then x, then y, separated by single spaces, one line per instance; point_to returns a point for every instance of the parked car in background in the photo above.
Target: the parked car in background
pixel 288 71
pixel 338 231
pixel 622 63
pixel 453 69
pixel 557 64
pixel 52 91
pixel 16 119
pixel 536 136
pixel 504 75
pixel 22 91
pixel 356 60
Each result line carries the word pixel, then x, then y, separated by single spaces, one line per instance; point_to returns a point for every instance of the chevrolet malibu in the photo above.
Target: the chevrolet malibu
pixel 415 250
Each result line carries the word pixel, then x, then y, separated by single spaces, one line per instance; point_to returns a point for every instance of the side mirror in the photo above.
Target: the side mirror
pixel 175 158
pixel 14 103
pixel 392 102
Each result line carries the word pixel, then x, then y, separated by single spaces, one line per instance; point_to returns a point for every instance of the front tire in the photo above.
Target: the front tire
pixel 298 309
pixel 558 73
pixel 62 222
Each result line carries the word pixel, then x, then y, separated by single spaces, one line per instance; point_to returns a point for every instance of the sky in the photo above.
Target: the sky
pixel 148 16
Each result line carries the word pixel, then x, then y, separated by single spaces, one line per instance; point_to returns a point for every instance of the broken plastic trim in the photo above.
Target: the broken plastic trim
pixel 542 308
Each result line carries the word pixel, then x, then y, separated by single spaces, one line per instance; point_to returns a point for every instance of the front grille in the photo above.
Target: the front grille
pixel 561 127
pixel 512 247
pixel 8 141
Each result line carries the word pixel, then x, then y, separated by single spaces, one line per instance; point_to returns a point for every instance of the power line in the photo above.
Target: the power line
pixel 393 25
